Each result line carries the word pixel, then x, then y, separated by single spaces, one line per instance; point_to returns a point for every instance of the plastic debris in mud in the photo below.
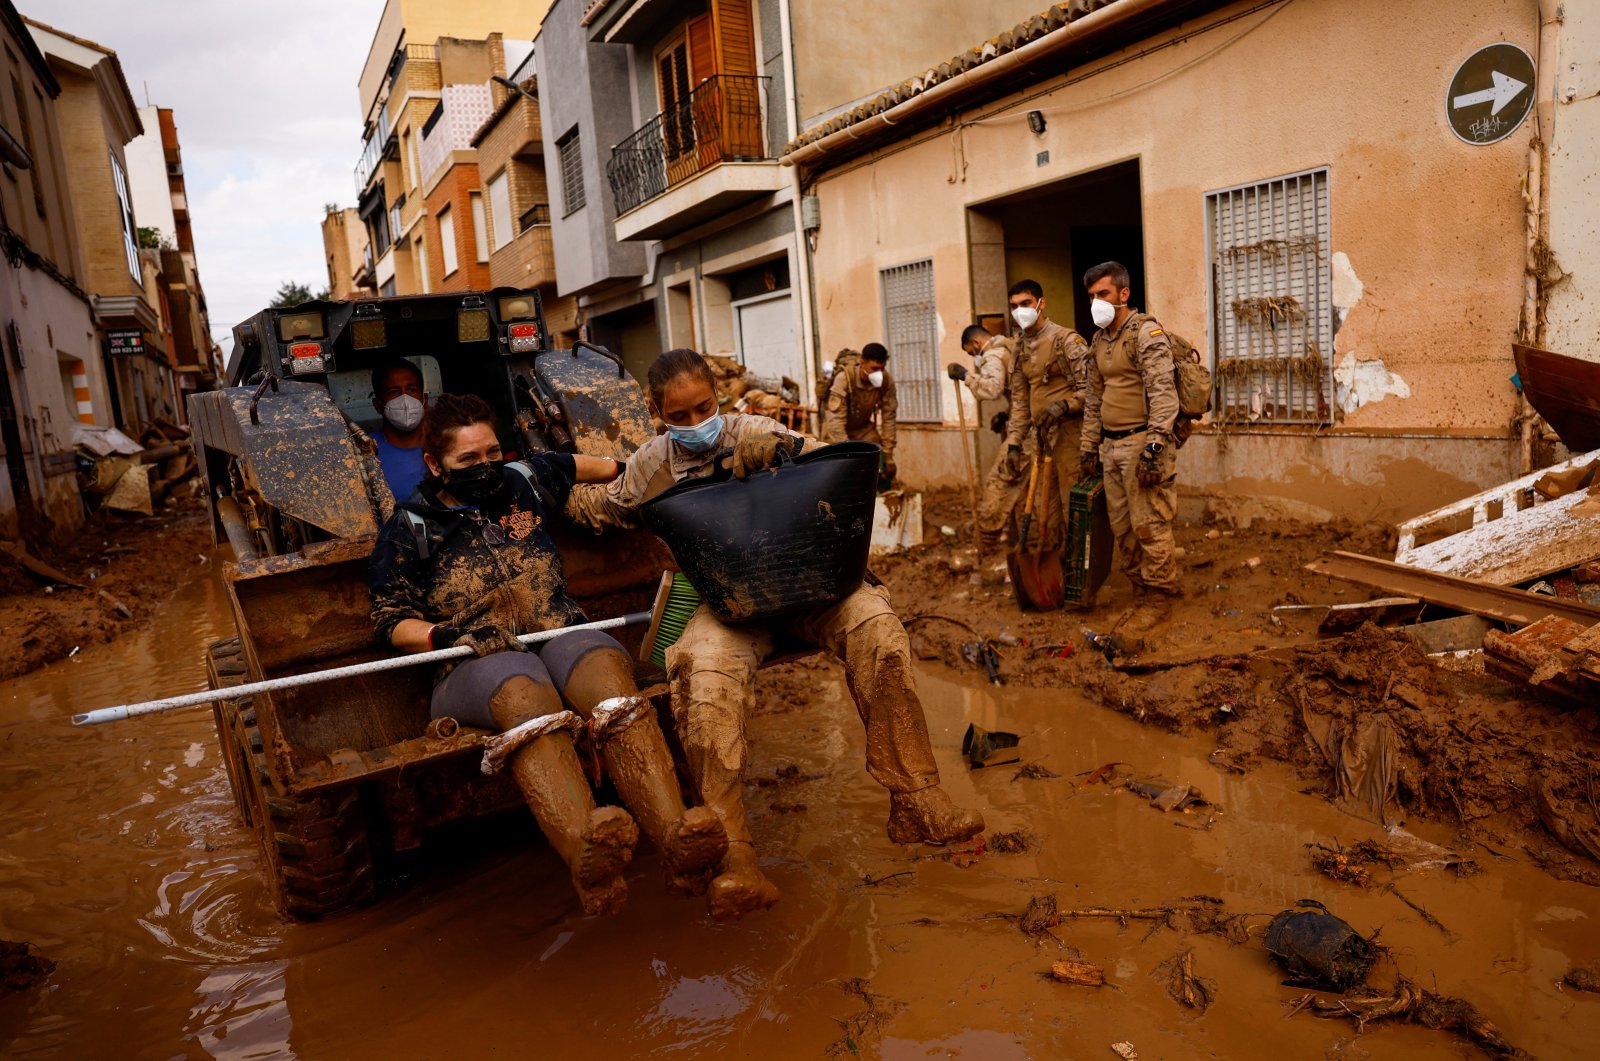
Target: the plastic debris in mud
pixel 21 968
pixel 981 747
pixel 1318 949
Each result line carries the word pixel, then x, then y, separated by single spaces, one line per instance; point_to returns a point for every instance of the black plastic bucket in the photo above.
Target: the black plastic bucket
pixel 778 542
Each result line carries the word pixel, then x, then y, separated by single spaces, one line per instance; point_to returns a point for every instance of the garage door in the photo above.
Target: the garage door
pixel 766 337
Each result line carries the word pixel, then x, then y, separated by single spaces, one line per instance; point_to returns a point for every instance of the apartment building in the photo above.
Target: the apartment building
pixel 51 369
pixel 97 118
pixel 348 252
pixel 512 215
pixel 424 92
pixel 161 205
pixel 1354 209
pixel 674 223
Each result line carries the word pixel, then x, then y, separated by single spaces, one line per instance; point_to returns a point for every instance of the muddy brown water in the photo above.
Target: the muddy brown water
pixel 121 858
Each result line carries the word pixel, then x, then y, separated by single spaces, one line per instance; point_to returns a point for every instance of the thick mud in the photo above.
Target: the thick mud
pixel 124 863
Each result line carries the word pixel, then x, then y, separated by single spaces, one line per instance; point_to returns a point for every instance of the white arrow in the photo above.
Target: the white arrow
pixel 1504 91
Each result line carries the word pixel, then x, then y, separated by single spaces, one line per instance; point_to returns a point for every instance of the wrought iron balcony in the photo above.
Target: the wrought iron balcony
pixel 720 121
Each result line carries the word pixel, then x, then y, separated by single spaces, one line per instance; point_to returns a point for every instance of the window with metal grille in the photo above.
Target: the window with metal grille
pixel 910 331
pixel 571 154
pixel 1272 301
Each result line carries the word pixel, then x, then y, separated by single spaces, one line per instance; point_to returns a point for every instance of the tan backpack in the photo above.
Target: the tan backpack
pixel 1191 377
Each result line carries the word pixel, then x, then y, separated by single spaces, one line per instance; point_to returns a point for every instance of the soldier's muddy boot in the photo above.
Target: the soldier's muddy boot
pixel 740 888
pixel 930 816
pixel 596 843
pixel 692 842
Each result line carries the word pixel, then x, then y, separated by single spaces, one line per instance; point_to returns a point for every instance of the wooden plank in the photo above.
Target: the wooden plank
pixel 1516 535
pixel 1492 602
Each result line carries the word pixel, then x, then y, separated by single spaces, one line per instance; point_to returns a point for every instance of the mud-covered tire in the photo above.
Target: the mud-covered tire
pixel 315 848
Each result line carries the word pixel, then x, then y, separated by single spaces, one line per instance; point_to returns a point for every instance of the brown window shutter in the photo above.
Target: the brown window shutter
pixel 736 37
pixel 702 49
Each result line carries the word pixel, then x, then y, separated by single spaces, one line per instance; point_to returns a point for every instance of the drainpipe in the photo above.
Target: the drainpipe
pixel 1536 194
pixel 803 268
pixel 1036 51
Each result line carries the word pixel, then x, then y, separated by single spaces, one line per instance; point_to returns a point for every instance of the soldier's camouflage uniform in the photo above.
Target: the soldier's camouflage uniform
pixel 1132 401
pixel 1050 366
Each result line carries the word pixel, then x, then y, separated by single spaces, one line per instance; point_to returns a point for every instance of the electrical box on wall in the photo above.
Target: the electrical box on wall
pixel 810 213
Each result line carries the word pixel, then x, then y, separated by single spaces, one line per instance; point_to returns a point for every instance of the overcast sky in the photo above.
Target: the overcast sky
pixel 264 95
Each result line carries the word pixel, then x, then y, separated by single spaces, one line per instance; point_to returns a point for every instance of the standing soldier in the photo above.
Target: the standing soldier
pixel 1047 383
pixel 993 357
pixel 862 404
pixel 1127 430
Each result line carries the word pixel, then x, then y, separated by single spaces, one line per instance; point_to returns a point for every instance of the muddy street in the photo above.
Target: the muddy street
pixel 124 863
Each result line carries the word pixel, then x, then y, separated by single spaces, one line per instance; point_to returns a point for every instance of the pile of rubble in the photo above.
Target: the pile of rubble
pixel 131 476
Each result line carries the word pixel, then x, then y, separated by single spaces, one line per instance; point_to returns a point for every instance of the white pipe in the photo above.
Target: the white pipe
pixel 802 247
pixel 294 681
pixel 979 75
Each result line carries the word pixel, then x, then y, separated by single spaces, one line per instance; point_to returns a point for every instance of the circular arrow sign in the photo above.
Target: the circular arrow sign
pixel 1491 93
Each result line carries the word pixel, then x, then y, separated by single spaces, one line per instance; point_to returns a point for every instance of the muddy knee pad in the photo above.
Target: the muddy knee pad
pixel 465 692
pixel 562 655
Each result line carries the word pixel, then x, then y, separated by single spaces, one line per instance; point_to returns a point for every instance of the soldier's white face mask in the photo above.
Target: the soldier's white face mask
pixel 827 369
pixel 1103 313
pixel 1025 316
pixel 403 412
pixel 875 378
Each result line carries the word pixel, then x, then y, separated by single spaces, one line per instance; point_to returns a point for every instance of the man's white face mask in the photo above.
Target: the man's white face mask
pixel 875 378
pixel 403 412
pixel 1103 312
pixel 1025 316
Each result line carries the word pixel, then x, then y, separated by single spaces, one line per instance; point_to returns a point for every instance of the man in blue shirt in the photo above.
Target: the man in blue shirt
pixel 398 395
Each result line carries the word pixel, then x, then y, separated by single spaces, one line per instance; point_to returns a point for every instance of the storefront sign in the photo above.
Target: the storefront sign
pixel 126 343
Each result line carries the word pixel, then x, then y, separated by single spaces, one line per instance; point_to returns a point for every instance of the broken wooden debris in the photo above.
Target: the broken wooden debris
pixel 34 566
pixel 1554 655
pixel 1409 1002
pixel 1515 535
pixel 1081 973
pixel 1513 606
pixel 1186 987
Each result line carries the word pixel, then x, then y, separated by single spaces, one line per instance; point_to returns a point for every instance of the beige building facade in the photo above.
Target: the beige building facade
pixel 424 89
pixel 51 371
pixel 97 118
pixel 346 249
pixel 1283 182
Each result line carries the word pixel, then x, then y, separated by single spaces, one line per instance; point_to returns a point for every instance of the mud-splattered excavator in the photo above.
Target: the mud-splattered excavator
pixel 332 776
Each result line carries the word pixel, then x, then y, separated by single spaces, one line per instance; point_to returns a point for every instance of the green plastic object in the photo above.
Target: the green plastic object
pixel 1086 560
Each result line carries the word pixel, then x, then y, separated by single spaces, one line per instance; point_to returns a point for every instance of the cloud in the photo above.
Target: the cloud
pixel 264 97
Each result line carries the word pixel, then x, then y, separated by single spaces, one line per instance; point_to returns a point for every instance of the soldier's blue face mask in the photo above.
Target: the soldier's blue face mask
pixel 700 437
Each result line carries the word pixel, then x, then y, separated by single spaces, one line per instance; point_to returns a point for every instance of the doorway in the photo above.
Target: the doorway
pixel 1052 234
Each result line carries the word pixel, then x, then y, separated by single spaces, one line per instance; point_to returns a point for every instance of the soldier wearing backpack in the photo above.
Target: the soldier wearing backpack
pixel 1131 411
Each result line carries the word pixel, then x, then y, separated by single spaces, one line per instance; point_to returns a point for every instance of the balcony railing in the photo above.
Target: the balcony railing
pixel 720 121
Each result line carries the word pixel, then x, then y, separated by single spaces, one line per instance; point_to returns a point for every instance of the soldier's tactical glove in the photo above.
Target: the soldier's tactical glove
pixel 955 371
pixel 1014 461
pixel 1052 415
pixel 758 452
pixel 484 640
pixel 1149 471
pixel 998 422
pixel 1089 465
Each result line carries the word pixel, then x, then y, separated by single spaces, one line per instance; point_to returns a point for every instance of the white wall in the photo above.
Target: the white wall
pixel 147 174
pixel 1574 306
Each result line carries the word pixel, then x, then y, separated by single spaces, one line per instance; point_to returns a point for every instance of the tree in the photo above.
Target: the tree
pixel 291 293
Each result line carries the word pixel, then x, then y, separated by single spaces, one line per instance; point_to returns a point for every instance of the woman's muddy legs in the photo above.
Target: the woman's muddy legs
pixel 595 842
pixel 712 670
pixel 692 842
